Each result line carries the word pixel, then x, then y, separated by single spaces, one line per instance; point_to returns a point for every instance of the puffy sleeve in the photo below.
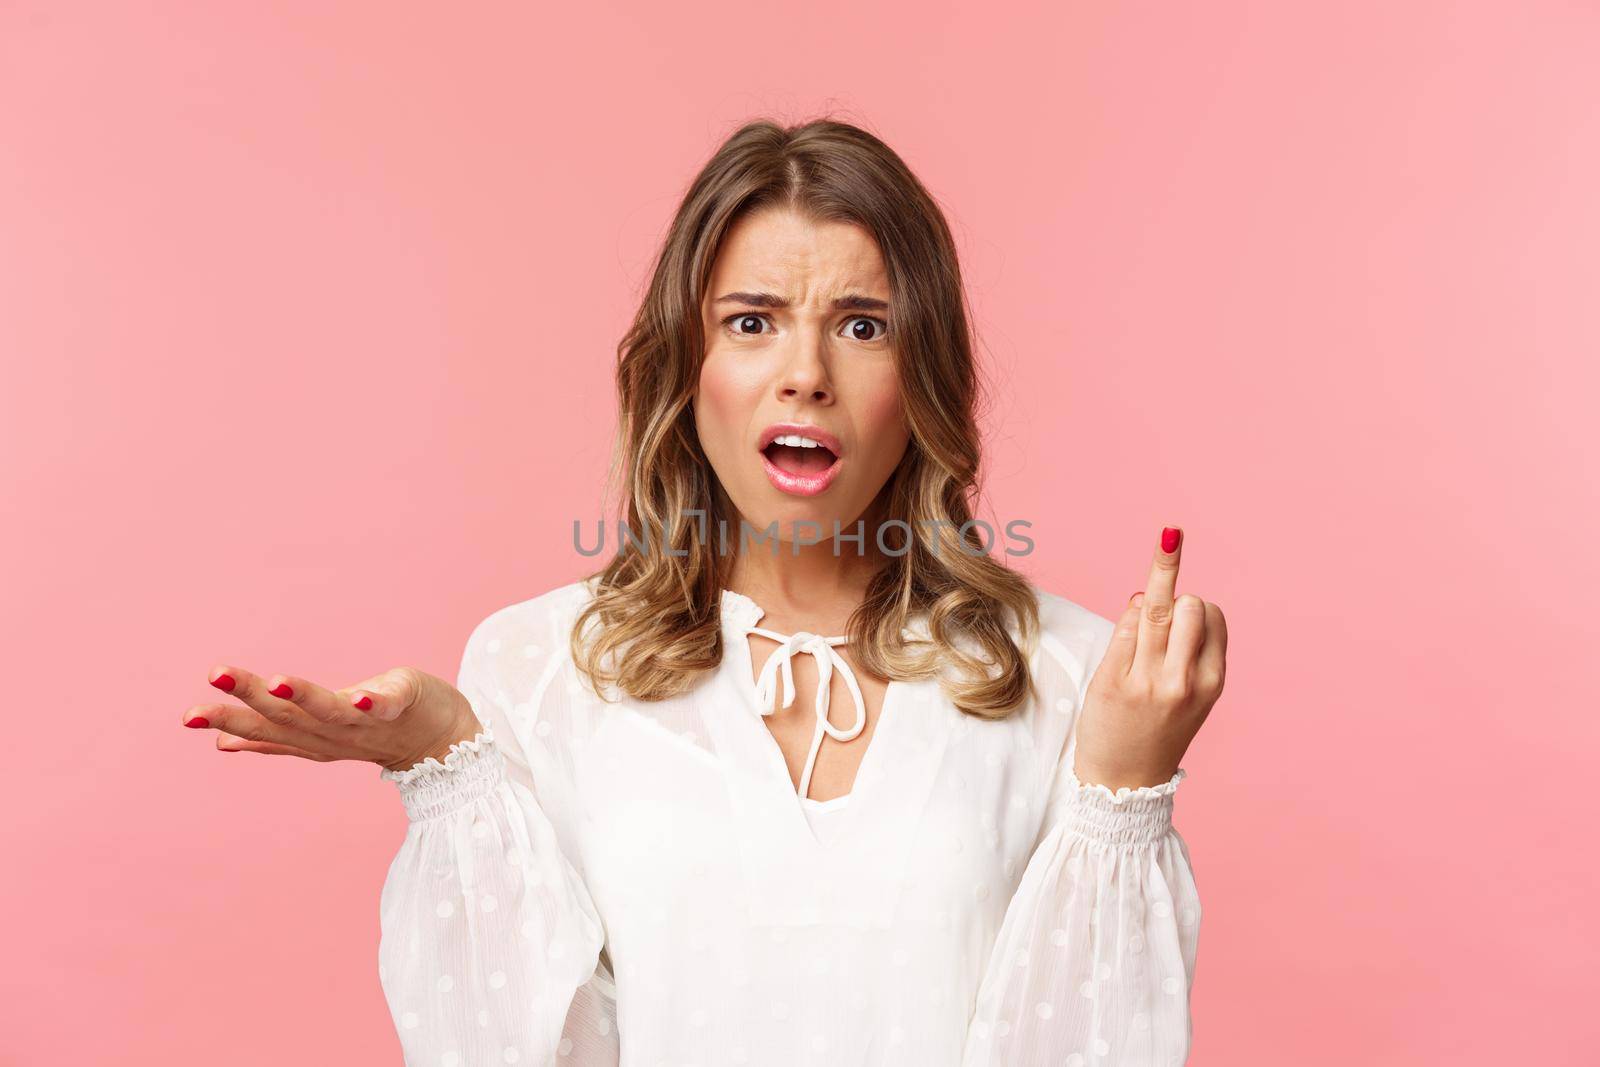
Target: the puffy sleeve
pixel 1095 958
pixel 491 947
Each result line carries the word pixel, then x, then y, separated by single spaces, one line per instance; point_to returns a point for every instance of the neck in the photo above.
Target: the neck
pixel 814 587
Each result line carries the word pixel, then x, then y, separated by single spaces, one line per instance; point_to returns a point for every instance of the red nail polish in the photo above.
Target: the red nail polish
pixel 281 691
pixel 224 682
pixel 365 703
pixel 1169 539
pixel 198 722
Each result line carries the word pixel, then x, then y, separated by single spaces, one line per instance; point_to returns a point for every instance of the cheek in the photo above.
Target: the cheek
pixel 885 428
pixel 722 404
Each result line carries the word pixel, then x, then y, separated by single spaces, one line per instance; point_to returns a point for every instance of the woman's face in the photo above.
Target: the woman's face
pixel 796 322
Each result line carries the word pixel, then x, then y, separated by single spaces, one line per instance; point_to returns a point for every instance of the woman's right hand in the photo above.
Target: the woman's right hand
pixel 394 719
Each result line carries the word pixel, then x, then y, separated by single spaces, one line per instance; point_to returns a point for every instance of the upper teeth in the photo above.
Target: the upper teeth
pixel 797 441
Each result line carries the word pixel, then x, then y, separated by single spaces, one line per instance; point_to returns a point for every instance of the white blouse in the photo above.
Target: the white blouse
pixel 634 884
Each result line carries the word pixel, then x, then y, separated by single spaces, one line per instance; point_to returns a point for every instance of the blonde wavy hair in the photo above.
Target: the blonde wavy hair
pixel 652 626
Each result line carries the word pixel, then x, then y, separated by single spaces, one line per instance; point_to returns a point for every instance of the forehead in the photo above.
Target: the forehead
pixel 779 249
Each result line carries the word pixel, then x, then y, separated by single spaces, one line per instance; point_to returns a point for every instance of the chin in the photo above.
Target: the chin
pixel 788 512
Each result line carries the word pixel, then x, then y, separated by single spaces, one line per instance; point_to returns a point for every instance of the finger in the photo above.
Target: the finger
pixel 247 723
pixel 225 743
pixel 1159 592
pixel 324 705
pixel 1124 639
pixel 390 694
pixel 1211 669
pixel 254 691
pixel 1188 634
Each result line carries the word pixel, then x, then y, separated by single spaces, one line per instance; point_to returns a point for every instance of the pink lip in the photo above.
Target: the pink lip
pixel 816 433
pixel 800 484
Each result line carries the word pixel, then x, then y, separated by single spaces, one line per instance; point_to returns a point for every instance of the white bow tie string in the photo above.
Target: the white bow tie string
pixel 822 650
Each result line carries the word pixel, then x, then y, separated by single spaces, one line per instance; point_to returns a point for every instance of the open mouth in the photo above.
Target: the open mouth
pixel 803 460
pixel 801 464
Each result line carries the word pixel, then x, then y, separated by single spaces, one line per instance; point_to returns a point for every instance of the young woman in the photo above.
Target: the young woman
pixel 870 798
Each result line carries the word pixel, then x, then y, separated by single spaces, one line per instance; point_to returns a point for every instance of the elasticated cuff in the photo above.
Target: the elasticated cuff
pixel 1130 816
pixel 470 770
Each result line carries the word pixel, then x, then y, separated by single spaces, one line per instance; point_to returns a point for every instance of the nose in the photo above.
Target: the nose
pixel 805 369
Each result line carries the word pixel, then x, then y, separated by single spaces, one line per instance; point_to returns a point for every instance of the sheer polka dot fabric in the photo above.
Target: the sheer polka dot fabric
pixel 608 882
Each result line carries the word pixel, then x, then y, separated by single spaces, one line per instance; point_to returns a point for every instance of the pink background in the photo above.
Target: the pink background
pixel 308 319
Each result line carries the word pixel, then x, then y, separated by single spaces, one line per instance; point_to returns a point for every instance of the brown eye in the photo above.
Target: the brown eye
pixel 863 325
pixel 740 322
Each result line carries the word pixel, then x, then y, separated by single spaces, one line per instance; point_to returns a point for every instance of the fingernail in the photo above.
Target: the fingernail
pixel 198 722
pixel 223 682
pixel 1133 594
pixel 281 691
pixel 1169 539
pixel 365 703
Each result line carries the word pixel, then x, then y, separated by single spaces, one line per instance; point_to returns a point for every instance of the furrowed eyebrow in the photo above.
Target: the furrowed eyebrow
pixel 853 302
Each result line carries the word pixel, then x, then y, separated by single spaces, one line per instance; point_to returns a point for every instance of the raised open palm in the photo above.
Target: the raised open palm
pixel 393 719
pixel 1159 679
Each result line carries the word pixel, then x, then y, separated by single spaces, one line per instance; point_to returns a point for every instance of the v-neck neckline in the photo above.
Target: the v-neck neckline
pixel 855 870
pixel 740 614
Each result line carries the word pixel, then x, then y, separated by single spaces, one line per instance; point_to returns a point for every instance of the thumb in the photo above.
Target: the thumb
pixel 1118 659
pixel 389 695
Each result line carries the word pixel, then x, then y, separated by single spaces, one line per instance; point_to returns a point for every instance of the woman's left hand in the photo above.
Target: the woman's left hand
pixel 1155 686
